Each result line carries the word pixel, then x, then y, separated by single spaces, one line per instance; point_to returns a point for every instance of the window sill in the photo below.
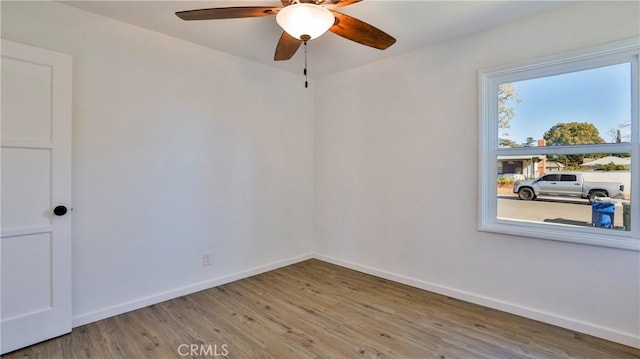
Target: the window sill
pixel 588 236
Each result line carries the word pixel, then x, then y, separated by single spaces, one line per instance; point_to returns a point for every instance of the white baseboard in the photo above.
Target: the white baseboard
pixel 104 313
pixel 535 314
pixel 568 323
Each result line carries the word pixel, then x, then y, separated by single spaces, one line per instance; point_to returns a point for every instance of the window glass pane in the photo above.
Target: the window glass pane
pixel 599 188
pixel 550 178
pixel 568 178
pixel 583 107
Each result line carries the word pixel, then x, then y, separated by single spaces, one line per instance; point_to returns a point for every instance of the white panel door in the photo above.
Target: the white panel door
pixel 35 155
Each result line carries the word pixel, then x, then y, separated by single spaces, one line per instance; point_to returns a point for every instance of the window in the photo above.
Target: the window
pixel 560 145
pixel 550 178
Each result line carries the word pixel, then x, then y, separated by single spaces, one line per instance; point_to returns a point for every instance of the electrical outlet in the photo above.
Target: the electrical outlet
pixel 206 259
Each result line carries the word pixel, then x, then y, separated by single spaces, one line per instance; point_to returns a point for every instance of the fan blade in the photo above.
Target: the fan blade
pixel 338 3
pixel 361 32
pixel 287 47
pixel 227 13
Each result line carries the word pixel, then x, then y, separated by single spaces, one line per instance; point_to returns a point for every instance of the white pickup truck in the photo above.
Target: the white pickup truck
pixel 566 185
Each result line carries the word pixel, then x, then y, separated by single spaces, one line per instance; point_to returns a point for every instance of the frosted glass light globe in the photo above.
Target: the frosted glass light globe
pixel 299 20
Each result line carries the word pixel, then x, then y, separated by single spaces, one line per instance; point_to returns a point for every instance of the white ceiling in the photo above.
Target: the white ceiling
pixel 415 24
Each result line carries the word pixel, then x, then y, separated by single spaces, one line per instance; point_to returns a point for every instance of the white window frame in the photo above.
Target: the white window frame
pixel 488 81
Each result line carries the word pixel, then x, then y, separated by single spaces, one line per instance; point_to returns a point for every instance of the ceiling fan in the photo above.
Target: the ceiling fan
pixel 302 20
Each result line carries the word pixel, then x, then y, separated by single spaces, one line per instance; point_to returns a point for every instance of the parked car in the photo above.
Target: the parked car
pixel 567 185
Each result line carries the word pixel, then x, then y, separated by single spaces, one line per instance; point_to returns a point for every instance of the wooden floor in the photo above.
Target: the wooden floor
pixel 315 309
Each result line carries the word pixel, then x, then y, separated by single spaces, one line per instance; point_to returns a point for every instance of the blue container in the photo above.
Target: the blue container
pixel 602 214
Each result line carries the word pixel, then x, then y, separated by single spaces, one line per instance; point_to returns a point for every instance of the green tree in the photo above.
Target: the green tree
pixel 505 142
pixel 610 167
pixel 572 133
pixel 506 94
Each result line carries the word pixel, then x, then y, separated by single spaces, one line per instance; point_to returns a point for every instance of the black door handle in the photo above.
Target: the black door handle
pixel 60 210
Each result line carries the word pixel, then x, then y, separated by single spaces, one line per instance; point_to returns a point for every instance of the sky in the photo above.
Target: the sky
pixel 600 96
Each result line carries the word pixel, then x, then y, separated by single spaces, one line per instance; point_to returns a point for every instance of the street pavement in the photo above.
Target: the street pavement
pixel 551 210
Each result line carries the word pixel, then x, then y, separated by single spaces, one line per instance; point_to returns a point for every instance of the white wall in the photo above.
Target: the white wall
pixel 177 150
pixel 395 195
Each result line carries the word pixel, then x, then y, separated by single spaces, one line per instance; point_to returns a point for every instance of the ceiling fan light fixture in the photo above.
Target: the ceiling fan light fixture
pixel 305 21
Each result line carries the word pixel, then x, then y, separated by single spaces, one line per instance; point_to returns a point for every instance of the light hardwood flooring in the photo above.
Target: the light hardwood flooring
pixel 318 310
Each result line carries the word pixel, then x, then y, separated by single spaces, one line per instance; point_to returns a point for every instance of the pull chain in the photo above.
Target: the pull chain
pixel 306 82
